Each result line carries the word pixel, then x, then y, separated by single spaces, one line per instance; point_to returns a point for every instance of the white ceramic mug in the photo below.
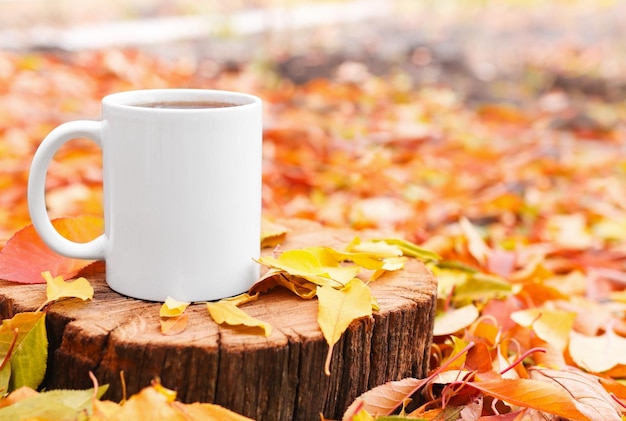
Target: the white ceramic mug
pixel 182 192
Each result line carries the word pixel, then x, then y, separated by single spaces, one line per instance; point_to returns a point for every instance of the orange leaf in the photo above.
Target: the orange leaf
pixel 546 397
pixel 174 325
pixel 590 397
pixel 25 256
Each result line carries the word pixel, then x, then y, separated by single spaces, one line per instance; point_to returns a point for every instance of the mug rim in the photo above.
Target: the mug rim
pixel 132 100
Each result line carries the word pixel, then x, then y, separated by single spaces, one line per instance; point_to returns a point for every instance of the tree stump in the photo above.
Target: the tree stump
pixel 275 378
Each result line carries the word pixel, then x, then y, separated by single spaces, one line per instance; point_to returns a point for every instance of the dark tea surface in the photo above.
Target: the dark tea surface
pixel 187 104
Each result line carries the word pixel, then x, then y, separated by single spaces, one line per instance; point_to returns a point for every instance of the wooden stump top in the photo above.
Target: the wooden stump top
pixel 275 378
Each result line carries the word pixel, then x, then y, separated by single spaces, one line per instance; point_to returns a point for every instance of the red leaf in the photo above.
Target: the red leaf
pixel 25 256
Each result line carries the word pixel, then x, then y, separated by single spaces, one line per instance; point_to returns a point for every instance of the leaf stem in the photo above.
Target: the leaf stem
pixel 327 362
pixel 522 357
pixel 618 400
pixel 436 372
pixel 7 357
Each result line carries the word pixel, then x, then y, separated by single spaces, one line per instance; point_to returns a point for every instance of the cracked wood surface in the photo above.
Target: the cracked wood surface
pixel 276 378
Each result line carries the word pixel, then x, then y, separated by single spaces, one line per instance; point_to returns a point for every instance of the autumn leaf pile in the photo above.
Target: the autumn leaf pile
pixel 526 205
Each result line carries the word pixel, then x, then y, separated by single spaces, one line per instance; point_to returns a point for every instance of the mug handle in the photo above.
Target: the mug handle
pixel 92 250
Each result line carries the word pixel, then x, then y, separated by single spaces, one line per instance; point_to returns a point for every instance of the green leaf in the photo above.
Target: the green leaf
pixel 481 287
pixel 30 348
pixel 5 376
pixel 55 405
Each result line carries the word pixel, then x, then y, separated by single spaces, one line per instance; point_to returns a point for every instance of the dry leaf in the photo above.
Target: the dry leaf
pixel 25 256
pixel 530 393
pixel 207 412
pixel 57 288
pixel 242 298
pixel 174 325
pixel 272 233
pixel 475 243
pixel 172 308
pixel 302 263
pixel 553 326
pixel 339 308
pixel 384 399
pixel 589 396
pixel 454 320
pixel 597 353
pixel 226 312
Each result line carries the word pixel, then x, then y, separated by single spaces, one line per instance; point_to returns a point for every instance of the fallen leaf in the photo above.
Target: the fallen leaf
pixel 242 298
pixel 226 312
pixel 273 278
pixel 302 263
pixel 540 395
pixel 597 353
pixel 58 288
pixel 174 325
pixel 172 307
pixel 25 256
pixel 53 405
pixel 272 233
pixel 207 412
pixel 148 404
pixel 410 249
pixel 475 243
pixel 590 398
pixel 553 326
pixel 480 287
pixel 384 399
pixel 337 309
pixel 454 320
pixel 23 339
pixel 17 395
pixel 375 249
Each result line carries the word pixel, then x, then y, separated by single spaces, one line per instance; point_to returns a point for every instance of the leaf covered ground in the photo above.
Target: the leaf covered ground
pixel 523 198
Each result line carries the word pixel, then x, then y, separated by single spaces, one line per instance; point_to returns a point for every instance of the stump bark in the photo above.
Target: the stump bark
pixel 275 378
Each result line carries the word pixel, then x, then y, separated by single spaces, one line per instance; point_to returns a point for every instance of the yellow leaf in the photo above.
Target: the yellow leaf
pixel 272 233
pixel 475 243
pixel 57 288
pixel 173 308
pixel 242 298
pixel 458 345
pixel 454 320
pixel 302 289
pixel 299 286
pixel 338 308
pixel 553 326
pixel 103 410
pixel 226 312
pixel 208 412
pixel 148 404
pixel 376 249
pixel 306 264
pixel 300 263
pixel 410 249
